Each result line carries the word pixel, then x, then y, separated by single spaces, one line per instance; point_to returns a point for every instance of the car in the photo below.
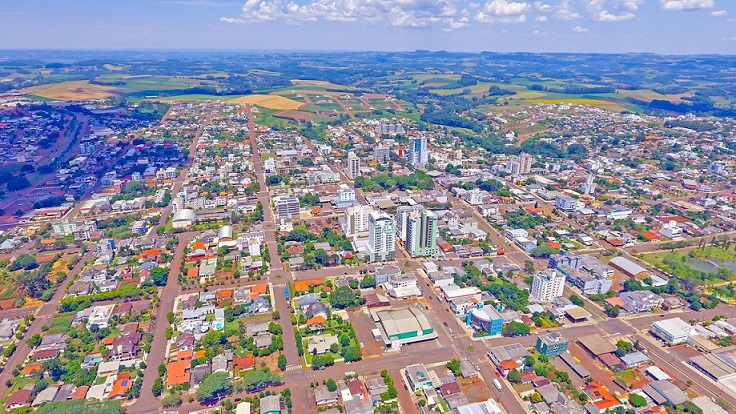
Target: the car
pixel 406 354
pixel 498 374
pixel 445 323
pixel 374 372
pixel 238 399
pixel 447 310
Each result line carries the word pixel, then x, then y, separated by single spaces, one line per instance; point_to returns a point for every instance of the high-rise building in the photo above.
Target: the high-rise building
pixel 421 234
pixel 548 285
pixel 356 220
pixel 381 237
pixel 418 154
pixel 353 165
pixel 402 218
pixel 525 163
pixel 588 187
pixel 382 154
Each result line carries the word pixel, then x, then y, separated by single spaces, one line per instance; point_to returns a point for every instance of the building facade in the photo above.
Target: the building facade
pixel 548 285
pixel 381 237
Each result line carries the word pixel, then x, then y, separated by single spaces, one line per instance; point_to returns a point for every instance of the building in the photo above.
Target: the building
pixel 552 344
pixel 485 318
pixel 673 331
pixel 383 273
pixel 270 405
pixel 484 407
pixel 381 237
pixel 418 153
pixel 353 167
pixel 403 326
pixel 286 206
pixel 421 234
pixel 402 286
pixel 671 230
pixel 589 284
pixel 382 154
pixel 418 377
pixel 641 301
pixel 525 163
pixel 628 267
pixel 548 284
pixel 566 203
pixel 356 220
pixel 588 187
pixel 183 218
pixel 402 218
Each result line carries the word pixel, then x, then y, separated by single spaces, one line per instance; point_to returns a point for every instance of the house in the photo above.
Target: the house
pixel 120 386
pixel 418 377
pixel 124 348
pixel 263 341
pixel 197 374
pixel 178 372
pixel 20 398
pixel 7 329
pixel 219 363
pixel 323 396
pixel 46 395
pixel 45 354
pixel 185 342
pixel 320 343
pixel 242 364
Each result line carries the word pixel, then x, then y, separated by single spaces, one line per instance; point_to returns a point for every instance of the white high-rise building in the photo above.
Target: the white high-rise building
pixel 402 218
pixel 356 220
pixel 353 165
pixel 588 187
pixel 418 153
pixel 525 163
pixel 381 237
pixel 548 285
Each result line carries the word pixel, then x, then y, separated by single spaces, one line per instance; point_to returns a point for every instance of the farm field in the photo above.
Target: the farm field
pixel 269 101
pixel 71 91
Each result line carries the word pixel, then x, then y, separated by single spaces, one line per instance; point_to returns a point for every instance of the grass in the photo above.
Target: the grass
pixel 72 91
pixel 59 324
pixel 628 377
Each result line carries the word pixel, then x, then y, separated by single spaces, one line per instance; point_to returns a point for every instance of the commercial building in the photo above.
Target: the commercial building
pixel 628 267
pixel 421 234
pixel 183 218
pixel 552 344
pixel 418 153
pixel 403 286
pixel 566 203
pixel 381 237
pixel 286 206
pixel 382 154
pixel 548 284
pixel 485 318
pixel 418 377
pixel 484 407
pixel 641 301
pixel 673 331
pixel 403 326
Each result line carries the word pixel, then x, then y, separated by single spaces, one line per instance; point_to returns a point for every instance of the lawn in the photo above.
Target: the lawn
pixel 629 377
pixel 60 324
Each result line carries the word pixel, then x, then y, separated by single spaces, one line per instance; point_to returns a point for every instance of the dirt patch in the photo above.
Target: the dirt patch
pixel 685 352
pixel 364 325
pixel 296 115
pixel 269 101
pixel 271 361
pixel 6 304
pixel 475 389
pixel 73 91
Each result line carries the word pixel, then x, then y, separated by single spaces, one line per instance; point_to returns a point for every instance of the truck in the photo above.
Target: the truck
pixel 497 383
pixel 286 292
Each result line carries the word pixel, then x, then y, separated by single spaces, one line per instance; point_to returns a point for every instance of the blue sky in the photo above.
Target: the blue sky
pixel 607 26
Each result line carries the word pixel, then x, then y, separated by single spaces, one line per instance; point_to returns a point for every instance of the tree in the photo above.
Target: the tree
pixel 368 282
pixel 158 387
pixel 343 297
pixel 258 380
pixel 536 397
pixel 454 366
pixel 159 276
pixel 215 386
pixel 516 329
pixel 275 315
pixel 514 376
pixel 576 300
pixel 637 400
pixel 282 362
pixel 352 353
pixel 171 400
pixel 331 385
pixel 162 370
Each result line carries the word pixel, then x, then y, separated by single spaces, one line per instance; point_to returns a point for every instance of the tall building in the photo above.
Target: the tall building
pixel 382 154
pixel 548 285
pixel 381 237
pixel 286 206
pixel 353 165
pixel 418 154
pixel 356 220
pixel 525 163
pixel 421 234
pixel 402 218
pixel 588 187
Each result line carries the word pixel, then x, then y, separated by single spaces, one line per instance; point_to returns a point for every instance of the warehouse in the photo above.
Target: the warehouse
pixel 673 331
pixel 628 267
pixel 403 326
pixel 597 345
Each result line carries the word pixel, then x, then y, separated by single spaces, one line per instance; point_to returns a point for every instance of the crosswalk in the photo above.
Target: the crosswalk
pixel 293 367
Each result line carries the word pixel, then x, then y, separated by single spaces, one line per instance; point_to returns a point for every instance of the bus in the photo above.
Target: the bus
pixel 497 383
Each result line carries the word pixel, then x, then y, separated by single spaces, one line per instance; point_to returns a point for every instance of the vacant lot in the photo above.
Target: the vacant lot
pixel 363 325
pixel 269 101
pixel 73 91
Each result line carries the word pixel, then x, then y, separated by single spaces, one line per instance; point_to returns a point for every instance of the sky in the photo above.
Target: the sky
pixel 601 26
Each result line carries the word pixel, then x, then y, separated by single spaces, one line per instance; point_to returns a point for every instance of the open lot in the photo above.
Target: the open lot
pixel 269 101
pixel 73 91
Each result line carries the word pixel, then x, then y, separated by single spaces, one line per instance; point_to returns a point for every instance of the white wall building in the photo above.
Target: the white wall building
pixel 548 284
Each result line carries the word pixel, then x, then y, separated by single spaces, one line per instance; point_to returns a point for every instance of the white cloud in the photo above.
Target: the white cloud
pixel 579 29
pixel 599 9
pixel 396 13
pixel 719 13
pixel 541 19
pixel 565 11
pixel 543 7
pixel 677 5
pixel 503 11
